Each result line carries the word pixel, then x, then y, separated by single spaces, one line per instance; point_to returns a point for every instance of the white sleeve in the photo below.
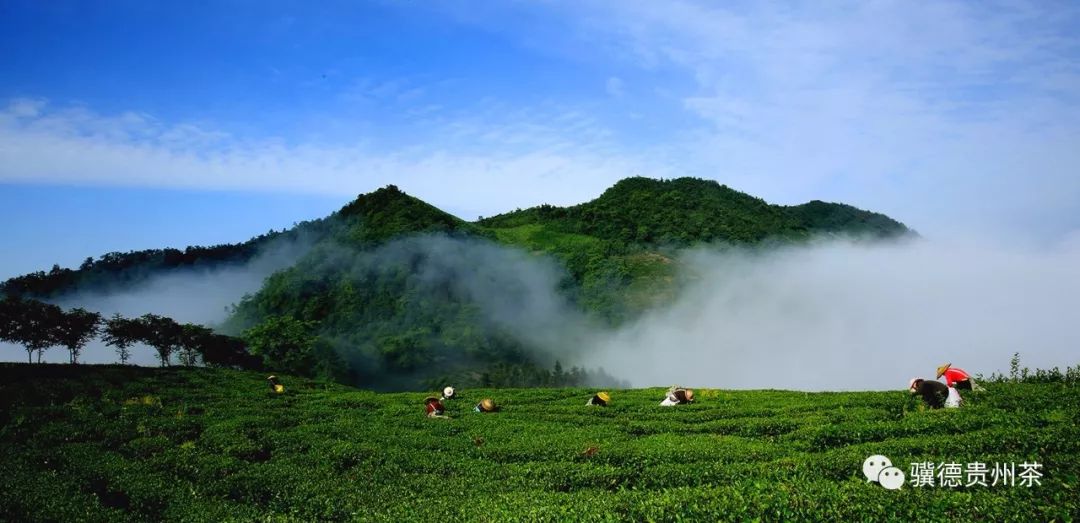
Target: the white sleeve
pixel 668 401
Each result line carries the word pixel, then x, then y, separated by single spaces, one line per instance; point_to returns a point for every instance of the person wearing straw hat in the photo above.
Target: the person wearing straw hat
pixel 486 405
pixel 275 386
pixel 434 407
pixel 935 394
pixel 957 378
pixel 448 393
pixel 600 399
pixel 677 395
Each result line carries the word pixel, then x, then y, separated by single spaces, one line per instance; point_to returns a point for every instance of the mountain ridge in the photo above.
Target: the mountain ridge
pixel 394 293
pixel 388 212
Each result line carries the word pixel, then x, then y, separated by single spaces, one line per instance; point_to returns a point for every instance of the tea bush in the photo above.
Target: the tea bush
pixel 114 443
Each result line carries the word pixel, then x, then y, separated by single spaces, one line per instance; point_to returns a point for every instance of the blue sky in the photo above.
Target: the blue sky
pixel 127 125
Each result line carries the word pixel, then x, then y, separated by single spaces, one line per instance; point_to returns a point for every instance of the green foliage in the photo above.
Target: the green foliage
pixel 284 343
pixel 196 343
pixel 127 443
pixel 685 211
pixel 220 350
pixel 122 333
pixel 163 334
pixel 31 323
pixel 503 375
pixel 822 217
pixel 119 269
pixel 77 327
pixel 397 315
pixel 10 316
pixel 1018 374
pixel 387 213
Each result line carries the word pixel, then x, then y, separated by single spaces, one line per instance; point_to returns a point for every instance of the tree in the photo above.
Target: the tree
pixel 227 351
pixel 284 343
pixel 193 338
pixel 77 327
pixel 9 314
pixel 163 334
pixel 122 333
pixel 30 323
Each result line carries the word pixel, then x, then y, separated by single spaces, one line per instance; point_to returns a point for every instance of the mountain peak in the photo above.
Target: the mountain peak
pixel 388 212
pixel 642 184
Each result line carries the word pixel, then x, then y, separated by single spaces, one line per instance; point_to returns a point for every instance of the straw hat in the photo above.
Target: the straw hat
pixel 604 396
pixel 689 395
pixel 487 405
pixel 941 370
pixel 430 399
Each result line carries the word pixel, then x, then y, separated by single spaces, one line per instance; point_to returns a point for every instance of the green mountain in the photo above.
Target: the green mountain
pixel 400 306
pixel 657 212
pixel 395 293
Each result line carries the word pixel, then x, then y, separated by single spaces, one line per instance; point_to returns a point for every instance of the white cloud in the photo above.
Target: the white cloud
pixel 948 115
pixel 484 165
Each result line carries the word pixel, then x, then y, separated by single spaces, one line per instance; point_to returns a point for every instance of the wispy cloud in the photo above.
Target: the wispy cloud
pixel 474 165
pixel 951 116
pixel 942 113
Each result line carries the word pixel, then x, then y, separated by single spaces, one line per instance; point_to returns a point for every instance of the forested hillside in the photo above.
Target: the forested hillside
pixel 120 270
pixel 394 293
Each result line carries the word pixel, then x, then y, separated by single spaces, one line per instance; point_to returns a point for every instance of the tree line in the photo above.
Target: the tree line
pixel 39 326
pixel 124 268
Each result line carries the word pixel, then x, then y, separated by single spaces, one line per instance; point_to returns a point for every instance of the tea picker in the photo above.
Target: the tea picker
pixel 935 394
pixel 275 386
pixel 677 395
pixel 600 399
pixel 434 407
pixel 957 378
pixel 448 393
pixel 486 406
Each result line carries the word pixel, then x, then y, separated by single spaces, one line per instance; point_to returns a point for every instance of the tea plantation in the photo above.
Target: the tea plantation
pixel 111 443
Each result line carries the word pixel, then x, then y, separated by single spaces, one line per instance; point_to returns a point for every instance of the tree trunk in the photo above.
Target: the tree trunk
pixel 29 355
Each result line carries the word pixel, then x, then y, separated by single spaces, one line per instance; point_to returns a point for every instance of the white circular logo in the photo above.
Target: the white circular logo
pixel 874 465
pixel 891 478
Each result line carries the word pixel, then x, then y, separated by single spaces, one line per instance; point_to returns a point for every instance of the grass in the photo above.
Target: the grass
pixel 111 443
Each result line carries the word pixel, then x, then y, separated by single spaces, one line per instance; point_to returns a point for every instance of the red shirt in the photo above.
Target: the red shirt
pixel 953 375
pixel 435 407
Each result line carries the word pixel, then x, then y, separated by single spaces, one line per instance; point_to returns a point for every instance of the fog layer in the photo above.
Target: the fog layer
pixel 830 315
pixel 189 295
pixel 841 315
